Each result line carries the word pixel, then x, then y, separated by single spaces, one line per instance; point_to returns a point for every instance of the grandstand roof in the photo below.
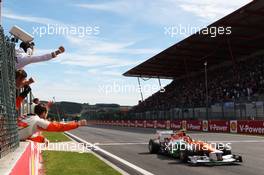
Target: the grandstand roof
pixel 188 56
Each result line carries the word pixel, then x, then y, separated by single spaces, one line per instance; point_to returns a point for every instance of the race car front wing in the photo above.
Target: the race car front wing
pixel 206 160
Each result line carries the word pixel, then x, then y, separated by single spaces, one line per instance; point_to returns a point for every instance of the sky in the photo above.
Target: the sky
pixel 103 39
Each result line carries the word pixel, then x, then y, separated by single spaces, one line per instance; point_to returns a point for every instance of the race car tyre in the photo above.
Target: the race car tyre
pixel 184 156
pixel 240 159
pixel 154 146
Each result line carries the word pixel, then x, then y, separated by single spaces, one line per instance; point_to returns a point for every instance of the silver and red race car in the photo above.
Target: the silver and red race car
pixel 182 146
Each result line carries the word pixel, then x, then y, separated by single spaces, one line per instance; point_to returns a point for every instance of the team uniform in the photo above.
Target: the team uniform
pixel 23 59
pixel 29 126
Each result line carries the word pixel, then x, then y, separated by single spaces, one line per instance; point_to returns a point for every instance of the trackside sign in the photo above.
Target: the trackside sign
pixel 218 126
pixel 250 127
pixel 194 125
pixel 222 126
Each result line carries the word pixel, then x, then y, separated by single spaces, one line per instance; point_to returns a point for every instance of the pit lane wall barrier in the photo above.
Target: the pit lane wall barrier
pixel 29 163
pixel 254 127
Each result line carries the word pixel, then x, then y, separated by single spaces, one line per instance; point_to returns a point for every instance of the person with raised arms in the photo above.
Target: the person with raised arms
pixel 24 55
pixel 30 125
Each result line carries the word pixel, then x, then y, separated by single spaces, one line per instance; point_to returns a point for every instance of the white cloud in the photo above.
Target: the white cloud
pixel 95 52
pixel 211 9
pixel 98 45
pixel 39 20
pixel 93 60
pixel 156 12
pixel 167 11
pixel 76 92
pixel 107 73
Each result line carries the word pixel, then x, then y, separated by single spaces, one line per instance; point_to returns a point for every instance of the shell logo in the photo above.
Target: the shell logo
pixel 184 125
pixel 205 125
pixel 167 124
pixel 233 126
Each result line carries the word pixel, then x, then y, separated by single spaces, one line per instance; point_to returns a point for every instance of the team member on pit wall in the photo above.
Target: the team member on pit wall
pixel 22 82
pixel 29 126
pixel 21 79
pixel 24 55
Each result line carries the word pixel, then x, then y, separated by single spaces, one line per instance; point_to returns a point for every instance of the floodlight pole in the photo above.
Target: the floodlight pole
pixel 140 89
pixel 57 109
pixel 206 88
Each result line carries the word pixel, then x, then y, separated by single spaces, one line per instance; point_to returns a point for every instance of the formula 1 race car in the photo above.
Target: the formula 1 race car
pixel 179 145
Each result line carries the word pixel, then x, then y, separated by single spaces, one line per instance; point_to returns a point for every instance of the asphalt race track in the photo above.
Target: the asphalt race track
pixel 130 144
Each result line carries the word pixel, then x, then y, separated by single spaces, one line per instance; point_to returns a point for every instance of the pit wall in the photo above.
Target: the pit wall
pixel 254 127
pixel 29 162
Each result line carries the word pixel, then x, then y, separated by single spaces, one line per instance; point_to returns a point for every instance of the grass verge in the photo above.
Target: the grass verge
pixel 56 136
pixel 69 163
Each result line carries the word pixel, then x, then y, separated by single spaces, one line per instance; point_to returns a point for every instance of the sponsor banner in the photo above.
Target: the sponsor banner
pixel 145 123
pixel 122 123
pixel 132 123
pixel 140 123
pixel 175 124
pixel 150 123
pixel 233 126
pixel 205 125
pixel 194 125
pixel 218 126
pixel 125 123
pixel 168 124
pixel 155 123
pixel 161 124
pixel 184 124
pixel 250 127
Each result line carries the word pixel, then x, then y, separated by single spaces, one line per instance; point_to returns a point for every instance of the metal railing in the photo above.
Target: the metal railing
pixel 8 116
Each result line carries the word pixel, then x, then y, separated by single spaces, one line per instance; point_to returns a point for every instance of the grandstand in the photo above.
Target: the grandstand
pixel 218 77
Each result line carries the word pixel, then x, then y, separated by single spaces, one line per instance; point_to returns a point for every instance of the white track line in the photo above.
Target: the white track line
pixel 145 143
pixel 239 141
pixel 120 143
pixel 114 156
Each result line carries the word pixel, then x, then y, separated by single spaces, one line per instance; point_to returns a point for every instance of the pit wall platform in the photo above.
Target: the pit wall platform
pixel 254 127
pixel 25 160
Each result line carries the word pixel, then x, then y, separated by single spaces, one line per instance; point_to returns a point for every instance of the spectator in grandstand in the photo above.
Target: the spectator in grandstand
pixel 30 125
pixel 22 82
pixel 24 55
pixel 21 79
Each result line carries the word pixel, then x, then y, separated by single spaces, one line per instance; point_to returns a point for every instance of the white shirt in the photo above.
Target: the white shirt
pixel 31 126
pixel 23 59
